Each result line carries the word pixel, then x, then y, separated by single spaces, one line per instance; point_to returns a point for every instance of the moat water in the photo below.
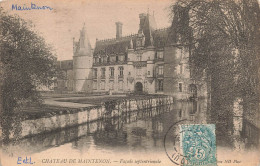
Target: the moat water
pixel 136 132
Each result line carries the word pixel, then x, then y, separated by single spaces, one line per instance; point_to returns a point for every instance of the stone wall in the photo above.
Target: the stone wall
pixel 109 109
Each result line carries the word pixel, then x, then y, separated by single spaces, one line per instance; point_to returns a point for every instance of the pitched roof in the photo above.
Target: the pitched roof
pixel 114 46
pixel 121 45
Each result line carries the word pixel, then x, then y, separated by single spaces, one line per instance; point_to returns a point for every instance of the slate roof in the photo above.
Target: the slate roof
pixel 121 45
pixel 153 37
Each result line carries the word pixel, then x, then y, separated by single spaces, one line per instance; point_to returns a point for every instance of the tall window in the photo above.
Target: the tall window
pixel 108 59
pixel 99 60
pixel 102 85
pixel 112 71
pixel 160 70
pixel 160 85
pixel 94 73
pixel 181 53
pixel 116 58
pixel 180 87
pixel 104 59
pixel 94 85
pixel 181 68
pixel 111 85
pixel 103 72
pixel 120 85
pixel 121 71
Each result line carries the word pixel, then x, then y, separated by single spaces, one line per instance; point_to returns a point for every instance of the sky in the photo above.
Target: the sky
pixel 60 25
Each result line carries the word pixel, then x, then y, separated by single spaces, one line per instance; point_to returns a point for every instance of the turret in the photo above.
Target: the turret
pixel 82 63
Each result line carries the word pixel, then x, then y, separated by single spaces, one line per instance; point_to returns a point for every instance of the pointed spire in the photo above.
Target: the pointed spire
pixel 84 46
pixel 82 37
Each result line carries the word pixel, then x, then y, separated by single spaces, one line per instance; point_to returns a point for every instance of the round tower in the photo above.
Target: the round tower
pixel 82 63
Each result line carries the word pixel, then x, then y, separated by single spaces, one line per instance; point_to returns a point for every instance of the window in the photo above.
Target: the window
pixel 120 85
pixel 116 58
pixel 102 85
pixel 180 87
pixel 103 72
pixel 160 55
pixel 112 71
pixel 108 59
pixel 99 60
pixel 94 85
pixel 160 85
pixel 94 73
pixel 181 68
pixel 139 57
pixel 121 71
pixel 104 59
pixel 160 70
pixel 111 85
pixel 96 60
pixel 148 73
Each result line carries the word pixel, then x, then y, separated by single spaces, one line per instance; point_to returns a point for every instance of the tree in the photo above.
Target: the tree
pixel 223 38
pixel 26 62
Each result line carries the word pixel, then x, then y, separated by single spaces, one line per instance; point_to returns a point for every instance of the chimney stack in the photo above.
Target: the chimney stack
pixel 142 18
pixel 118 29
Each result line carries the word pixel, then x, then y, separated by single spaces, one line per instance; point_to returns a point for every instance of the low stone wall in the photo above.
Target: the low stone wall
pixel 106 110
pixel 89 131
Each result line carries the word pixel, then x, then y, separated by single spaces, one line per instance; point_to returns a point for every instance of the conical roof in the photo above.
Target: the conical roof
pixel 84 44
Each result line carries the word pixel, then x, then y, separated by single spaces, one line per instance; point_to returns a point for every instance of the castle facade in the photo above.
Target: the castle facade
pixel 145 62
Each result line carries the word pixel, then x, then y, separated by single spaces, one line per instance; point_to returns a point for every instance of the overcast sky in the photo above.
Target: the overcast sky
pixel 60 25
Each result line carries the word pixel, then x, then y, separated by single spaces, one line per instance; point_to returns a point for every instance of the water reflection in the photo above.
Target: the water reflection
pixel 142 130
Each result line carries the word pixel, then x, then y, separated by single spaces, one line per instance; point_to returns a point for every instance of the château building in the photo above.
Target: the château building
pixel 145 62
